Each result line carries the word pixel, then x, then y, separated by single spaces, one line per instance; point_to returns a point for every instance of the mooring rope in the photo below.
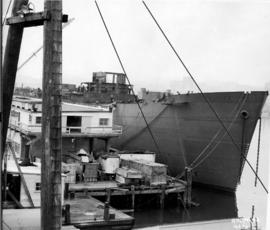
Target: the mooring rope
pixel 124 71
pixel 204 96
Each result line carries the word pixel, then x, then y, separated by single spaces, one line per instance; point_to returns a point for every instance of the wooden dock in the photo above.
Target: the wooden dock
pixel 223 224
pixel 100 188
pixel 90 213
pixel 84 213
pixel 111 188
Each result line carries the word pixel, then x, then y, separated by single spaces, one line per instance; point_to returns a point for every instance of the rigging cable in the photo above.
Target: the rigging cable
pixel 124 71
pixel 202 158
pixel 205 98
pixel 216 145
pixel 218 132
pixel 40 48
pixel 258 149
pixel 9 4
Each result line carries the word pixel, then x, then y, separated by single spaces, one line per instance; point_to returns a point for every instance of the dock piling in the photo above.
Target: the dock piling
pixel 106 211
pixel 187 193
pixel 162 197
pixel 108 194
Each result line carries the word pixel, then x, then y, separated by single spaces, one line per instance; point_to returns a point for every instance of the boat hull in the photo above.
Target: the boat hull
pixel 184 128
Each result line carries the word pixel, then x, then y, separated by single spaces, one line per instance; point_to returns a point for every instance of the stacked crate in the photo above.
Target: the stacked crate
pixel 153 173
pixel 128 176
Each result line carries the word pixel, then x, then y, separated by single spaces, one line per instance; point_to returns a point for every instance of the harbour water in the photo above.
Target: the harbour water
pixel 247 202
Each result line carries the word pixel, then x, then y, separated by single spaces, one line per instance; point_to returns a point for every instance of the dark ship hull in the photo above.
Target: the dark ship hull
pixel 184 127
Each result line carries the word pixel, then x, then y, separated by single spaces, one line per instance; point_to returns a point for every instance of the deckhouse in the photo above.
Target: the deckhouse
pixel 81 124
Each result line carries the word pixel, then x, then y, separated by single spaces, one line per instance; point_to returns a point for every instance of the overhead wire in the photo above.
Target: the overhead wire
pixel 41 47
pixel 124 71
pixel 9 4
pixel 204 96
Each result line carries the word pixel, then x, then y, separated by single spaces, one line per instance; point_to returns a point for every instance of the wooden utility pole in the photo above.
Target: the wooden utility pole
pixel 12 52
pixel 1 117
pixel 8 76
pixel 51 213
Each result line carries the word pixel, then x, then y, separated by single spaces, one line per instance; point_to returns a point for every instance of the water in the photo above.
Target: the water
pixel 220 205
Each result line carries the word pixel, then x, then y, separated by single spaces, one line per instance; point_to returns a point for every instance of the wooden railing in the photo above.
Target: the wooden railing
pixel 26 128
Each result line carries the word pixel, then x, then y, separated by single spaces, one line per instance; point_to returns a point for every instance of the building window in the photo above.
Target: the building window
pixel 73 122
pixel 30 118
pixel 38 120
pixel 38 186
pixel 103 121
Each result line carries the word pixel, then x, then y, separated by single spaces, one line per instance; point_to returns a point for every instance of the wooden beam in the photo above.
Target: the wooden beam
pixel 32 19
pixel 21 174
pixel 1 118
pixel 19 205
pixel 51 209
pixel 10 65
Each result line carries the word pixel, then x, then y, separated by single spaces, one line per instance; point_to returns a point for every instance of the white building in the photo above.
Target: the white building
pixel 26 115
pixel 81 124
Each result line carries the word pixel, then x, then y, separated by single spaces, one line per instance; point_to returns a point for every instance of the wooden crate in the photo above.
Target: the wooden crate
pixel 127 181
pixel 90 172
pixel 72 170
pixel 154 173
pixel 129 173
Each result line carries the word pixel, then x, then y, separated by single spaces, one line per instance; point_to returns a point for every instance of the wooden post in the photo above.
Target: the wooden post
pixel 108 194
pixel 5 177
pixel 133 196
pixel 51 209
pixel 10 64
pixel 162 197
pixel 66 190
pixel 67 213
pixel 107 144
pixel 187 194
pixel 106 211
pixel 91 144
pixel 1 120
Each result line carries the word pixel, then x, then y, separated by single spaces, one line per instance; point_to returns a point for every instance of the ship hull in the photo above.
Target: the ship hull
pixel 187 133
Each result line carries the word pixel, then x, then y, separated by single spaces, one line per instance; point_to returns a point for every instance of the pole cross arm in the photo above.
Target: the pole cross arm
pixel 32 19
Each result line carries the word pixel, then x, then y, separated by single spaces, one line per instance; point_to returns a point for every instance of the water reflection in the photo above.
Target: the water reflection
pixel 213 205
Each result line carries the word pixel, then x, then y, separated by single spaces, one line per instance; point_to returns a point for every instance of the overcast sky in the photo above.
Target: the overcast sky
pixel 219 41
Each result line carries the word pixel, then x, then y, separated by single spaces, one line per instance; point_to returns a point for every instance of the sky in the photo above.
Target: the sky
pixel 224 43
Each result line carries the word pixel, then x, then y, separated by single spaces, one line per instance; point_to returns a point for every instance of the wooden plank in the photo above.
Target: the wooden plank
pixel 101 185
pixel 22 176
pixel 51 208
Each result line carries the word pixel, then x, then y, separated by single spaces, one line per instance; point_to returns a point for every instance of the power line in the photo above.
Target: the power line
pixel 204 96
pixel 124 71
